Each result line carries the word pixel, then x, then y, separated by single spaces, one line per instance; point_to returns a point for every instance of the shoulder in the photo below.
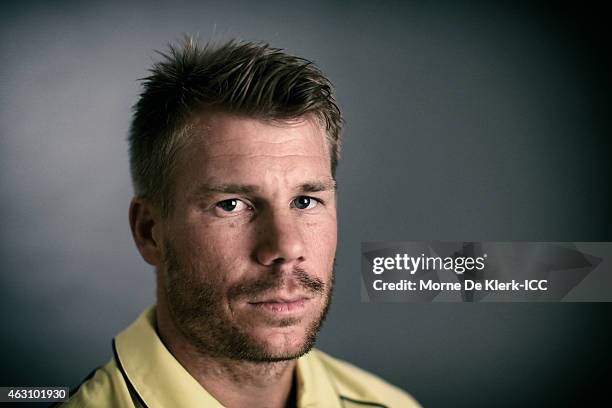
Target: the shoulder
pixel 104 387
pixel 361 388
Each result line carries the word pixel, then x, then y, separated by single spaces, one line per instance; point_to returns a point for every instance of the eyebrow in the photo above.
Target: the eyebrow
pixel 233 188
pixel 317 186
pixel 206 189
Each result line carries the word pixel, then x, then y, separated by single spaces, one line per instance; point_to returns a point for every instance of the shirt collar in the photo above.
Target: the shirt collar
pixel 161 381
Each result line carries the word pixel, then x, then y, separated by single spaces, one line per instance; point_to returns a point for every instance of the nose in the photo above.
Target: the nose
pixel 279 239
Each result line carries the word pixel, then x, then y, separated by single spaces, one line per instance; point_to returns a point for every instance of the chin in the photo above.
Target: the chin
pixel 282 338
pixel 282 343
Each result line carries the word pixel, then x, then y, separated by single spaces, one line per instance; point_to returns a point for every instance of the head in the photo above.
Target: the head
pixel 233 151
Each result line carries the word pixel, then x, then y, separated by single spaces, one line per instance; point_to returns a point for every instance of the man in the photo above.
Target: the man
pixel 233 152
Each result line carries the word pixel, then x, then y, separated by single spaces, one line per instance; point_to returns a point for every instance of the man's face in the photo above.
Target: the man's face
pixel 249 247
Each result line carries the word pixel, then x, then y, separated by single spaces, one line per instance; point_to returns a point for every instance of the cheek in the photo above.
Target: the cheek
pixel 218 252
pixel 321 238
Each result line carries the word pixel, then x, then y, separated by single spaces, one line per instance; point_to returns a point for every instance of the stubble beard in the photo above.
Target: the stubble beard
pixel 195 305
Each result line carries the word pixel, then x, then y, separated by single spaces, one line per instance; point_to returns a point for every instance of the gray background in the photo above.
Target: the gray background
pixel 464 122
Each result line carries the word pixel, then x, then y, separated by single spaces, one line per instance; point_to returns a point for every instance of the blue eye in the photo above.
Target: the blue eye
pixel 304 203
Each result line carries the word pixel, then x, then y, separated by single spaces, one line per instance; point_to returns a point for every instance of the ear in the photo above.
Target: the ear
pixel 146 230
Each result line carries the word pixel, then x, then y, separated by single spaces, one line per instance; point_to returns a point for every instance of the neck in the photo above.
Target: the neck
pixel 232 382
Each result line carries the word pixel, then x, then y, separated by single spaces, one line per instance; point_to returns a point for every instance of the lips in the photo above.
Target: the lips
pixel 281 304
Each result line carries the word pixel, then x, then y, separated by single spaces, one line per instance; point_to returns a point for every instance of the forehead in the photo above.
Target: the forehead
pixel 227 134
pixel 219 142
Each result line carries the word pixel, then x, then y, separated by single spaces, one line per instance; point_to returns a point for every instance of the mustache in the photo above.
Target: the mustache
pixel 270 282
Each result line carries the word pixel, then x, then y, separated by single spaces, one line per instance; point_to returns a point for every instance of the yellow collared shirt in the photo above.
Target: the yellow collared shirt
pixel 143 373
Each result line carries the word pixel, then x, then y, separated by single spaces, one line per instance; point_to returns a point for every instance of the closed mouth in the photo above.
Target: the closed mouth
pixel 281 304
